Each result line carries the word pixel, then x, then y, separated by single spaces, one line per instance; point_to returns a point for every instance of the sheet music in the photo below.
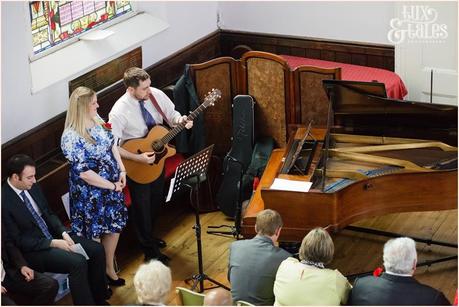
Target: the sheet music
pixel 66 202
pixel 291 185
pixel 77 248
pixel 171 190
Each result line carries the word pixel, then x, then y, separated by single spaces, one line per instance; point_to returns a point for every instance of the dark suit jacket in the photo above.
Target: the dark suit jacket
pixel 186 100
pixel 20 224
pixel 252 269
pixel 12 258
pixel 394 290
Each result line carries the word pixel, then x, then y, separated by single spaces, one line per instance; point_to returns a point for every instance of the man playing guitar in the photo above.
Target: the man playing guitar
pixel 132 117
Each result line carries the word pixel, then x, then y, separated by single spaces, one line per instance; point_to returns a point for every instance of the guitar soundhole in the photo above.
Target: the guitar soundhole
pixel 158 146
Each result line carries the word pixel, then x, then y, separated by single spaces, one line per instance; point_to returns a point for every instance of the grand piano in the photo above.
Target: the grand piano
pixel 377 156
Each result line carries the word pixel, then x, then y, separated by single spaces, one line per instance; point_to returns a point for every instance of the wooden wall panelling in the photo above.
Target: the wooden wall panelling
pixel 40 143
pixel 221 73
pixel 311 101
pixel 341 51
pixel 268 80
pixel 168 70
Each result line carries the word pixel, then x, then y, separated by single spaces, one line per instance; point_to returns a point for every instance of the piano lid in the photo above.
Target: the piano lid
pixel 362 108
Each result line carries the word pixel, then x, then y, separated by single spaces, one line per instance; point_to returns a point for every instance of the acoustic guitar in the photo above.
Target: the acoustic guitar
pixel 157 141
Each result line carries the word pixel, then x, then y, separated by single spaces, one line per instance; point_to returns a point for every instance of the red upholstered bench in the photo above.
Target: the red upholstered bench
pixel 169 165
pixel 395 87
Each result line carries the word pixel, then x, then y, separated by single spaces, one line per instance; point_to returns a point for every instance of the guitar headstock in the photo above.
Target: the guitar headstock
pixel 211 97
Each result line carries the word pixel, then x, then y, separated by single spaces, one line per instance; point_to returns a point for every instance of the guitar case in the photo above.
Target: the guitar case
pixel 260 156
pixel 237 160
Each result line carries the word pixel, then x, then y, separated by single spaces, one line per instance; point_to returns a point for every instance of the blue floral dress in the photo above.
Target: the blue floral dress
pixel 93 211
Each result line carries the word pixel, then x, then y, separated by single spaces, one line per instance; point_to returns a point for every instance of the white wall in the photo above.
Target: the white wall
pixel 353 21
pixel 22 111
pixel 414 60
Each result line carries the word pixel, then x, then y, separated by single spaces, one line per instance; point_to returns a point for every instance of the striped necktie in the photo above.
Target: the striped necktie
pixel 149 121
pixel 41 223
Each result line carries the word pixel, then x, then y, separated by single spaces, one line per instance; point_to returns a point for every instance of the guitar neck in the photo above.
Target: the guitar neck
pixel 177 129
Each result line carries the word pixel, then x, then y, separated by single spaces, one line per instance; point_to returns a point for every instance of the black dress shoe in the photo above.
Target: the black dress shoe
pixel 164 259
pixel 161 257
pixel 161 243
pixel 116 282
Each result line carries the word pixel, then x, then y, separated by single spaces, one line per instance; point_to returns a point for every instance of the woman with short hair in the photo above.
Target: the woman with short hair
pixel 308 282
pixel 152 283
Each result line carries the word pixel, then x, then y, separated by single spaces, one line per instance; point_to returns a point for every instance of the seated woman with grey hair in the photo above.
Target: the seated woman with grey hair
pixel 152 283
pixel 308 282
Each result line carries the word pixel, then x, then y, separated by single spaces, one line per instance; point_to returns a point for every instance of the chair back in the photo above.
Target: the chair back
pixel 188 297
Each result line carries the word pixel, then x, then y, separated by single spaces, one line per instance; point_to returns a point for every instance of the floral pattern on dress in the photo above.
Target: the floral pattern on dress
pixel 93 211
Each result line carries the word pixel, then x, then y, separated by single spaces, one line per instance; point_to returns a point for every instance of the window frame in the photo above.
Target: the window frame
pixel 33 56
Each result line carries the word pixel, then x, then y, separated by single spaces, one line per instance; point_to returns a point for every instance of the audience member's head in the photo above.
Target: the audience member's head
pixel 21 171
pixel 218 297
pixel 268 223
pixel 133 77
pixel 317 246
pixel 152 283
pixel 400 256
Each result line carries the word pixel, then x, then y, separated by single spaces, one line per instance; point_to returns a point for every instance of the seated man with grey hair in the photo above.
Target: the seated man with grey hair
pixel 396 286
pixel 152 283
pixel 253 263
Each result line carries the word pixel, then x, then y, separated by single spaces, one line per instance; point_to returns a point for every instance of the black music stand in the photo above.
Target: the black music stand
pixel 190 173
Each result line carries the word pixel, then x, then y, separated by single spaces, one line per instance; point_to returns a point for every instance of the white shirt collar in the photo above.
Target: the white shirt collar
pixel 14 188
pixel 132 99
pixel 398 274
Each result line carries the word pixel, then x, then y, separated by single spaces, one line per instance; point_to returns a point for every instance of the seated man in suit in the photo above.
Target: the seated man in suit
pixel 19 279
pixel 396 286
pixel 45 243
pixel 253 263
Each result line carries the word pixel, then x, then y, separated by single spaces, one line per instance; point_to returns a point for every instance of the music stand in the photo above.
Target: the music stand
pixel 190 173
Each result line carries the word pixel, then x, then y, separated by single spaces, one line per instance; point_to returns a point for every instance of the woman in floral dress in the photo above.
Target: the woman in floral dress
pixel 97 176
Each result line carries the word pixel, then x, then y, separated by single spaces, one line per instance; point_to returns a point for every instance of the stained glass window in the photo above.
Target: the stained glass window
pixel 54 22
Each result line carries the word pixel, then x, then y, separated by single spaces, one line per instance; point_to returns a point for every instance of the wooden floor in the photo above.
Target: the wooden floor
pixel 354 252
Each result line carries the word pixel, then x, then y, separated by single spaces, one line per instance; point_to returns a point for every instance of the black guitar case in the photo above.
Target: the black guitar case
pixel 238 158
pixel 260 156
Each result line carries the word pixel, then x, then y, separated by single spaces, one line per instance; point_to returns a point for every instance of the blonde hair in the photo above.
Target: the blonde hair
pixel 78 109
pixel 152 283
pixel 268 222
pixel 317 246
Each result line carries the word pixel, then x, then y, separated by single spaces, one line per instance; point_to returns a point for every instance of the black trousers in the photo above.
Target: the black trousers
pixel 147 200
pixel 41 290
pixel 87 281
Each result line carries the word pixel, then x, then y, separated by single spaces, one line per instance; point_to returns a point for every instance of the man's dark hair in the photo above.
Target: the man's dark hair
pixel 133 76
pixel 17 163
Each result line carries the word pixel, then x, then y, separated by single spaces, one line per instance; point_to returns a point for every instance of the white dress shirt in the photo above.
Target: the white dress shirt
pixel 127 120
